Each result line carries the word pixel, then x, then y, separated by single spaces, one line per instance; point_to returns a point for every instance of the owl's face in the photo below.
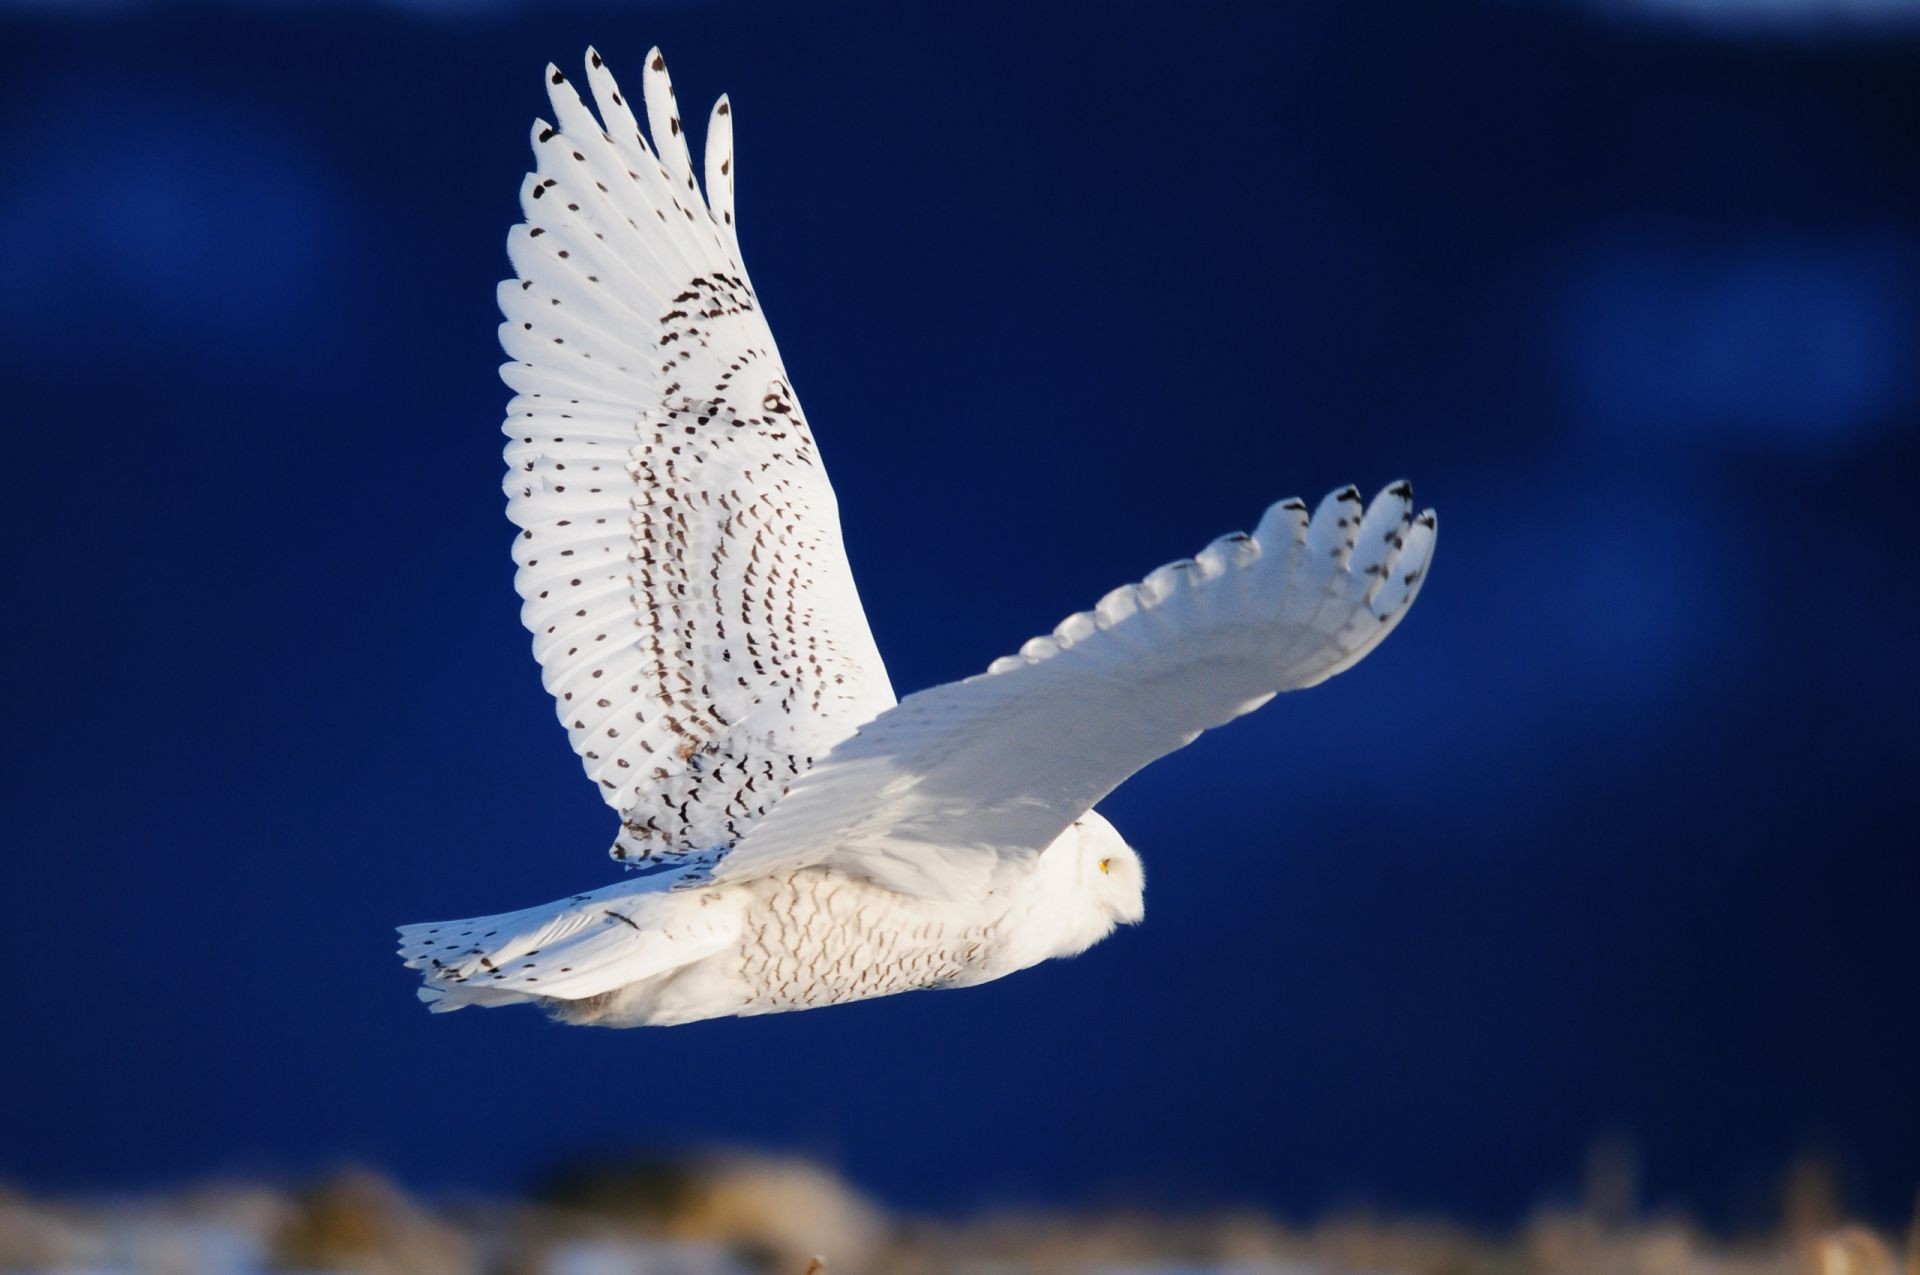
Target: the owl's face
pixel 1111 870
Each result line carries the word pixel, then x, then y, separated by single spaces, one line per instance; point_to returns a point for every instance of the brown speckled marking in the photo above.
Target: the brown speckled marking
pixel 681 562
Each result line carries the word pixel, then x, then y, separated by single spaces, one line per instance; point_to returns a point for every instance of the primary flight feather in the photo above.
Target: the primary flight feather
pixel 797 837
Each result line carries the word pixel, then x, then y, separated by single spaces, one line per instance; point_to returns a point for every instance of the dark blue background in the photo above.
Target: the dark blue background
pixel 1614 836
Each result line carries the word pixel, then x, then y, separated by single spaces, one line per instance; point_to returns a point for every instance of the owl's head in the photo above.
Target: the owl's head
pixel 1110 870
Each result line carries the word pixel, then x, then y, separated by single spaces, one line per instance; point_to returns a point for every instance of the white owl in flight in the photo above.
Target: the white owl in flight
pixel 798 837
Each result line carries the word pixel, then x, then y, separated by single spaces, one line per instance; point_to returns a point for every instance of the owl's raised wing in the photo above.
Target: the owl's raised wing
pixel 932 793
pixel 680 556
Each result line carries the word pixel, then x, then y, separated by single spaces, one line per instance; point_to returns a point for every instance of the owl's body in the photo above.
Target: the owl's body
pixel 799 837
pixel 674 947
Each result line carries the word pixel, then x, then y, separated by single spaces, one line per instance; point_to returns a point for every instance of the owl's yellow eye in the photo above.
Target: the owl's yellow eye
pixel 1105 864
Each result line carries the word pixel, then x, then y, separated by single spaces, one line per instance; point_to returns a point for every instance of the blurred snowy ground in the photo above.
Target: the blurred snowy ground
pixel 734 1215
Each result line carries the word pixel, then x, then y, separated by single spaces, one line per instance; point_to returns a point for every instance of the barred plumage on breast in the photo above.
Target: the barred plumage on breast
pixel 820 938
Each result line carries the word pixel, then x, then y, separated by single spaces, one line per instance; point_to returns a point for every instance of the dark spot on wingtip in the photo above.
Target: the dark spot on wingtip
pixel 659 63
pixel 548 134
pixel 1426 519
pixel 593 57
pixel 1296 504
pixel 1349 492
pixel 1404 490
pixel 725 108
pixel 559 78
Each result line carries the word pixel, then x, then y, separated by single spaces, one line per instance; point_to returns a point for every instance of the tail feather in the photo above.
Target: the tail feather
pixel 581 946
pixel 445 998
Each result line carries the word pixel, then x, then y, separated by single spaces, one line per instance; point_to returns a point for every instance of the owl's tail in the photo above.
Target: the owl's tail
pixel 570 950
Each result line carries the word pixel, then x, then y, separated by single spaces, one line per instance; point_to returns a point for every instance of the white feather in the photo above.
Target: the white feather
pixel 680 552
pixel 682 574
pixel 931 794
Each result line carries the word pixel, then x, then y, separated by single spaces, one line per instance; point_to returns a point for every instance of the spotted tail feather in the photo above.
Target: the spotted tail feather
pixel 571 949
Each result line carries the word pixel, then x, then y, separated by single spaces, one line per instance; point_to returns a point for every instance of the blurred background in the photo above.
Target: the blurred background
pixel 1594 890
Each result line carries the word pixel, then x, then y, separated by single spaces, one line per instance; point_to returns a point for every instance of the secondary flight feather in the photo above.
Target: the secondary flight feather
pixel 798 838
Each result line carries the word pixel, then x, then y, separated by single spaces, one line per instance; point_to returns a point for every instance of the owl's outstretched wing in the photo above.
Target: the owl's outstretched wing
pixel 680 556
pixel 928 796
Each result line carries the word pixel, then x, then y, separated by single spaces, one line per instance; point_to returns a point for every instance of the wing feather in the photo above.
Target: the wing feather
pixel 720 167
pixel 680 559
pixel 933 792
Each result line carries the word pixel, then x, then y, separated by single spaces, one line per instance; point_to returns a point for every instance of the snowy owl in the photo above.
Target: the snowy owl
pixel 796 837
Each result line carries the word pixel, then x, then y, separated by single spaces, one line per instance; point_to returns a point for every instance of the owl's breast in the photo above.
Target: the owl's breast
pixel 816 937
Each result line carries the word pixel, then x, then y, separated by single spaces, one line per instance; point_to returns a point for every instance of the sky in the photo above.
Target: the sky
pixel 1611 839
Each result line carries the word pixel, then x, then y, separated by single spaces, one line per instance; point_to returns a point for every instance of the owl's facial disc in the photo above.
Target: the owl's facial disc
pixel 1110 870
